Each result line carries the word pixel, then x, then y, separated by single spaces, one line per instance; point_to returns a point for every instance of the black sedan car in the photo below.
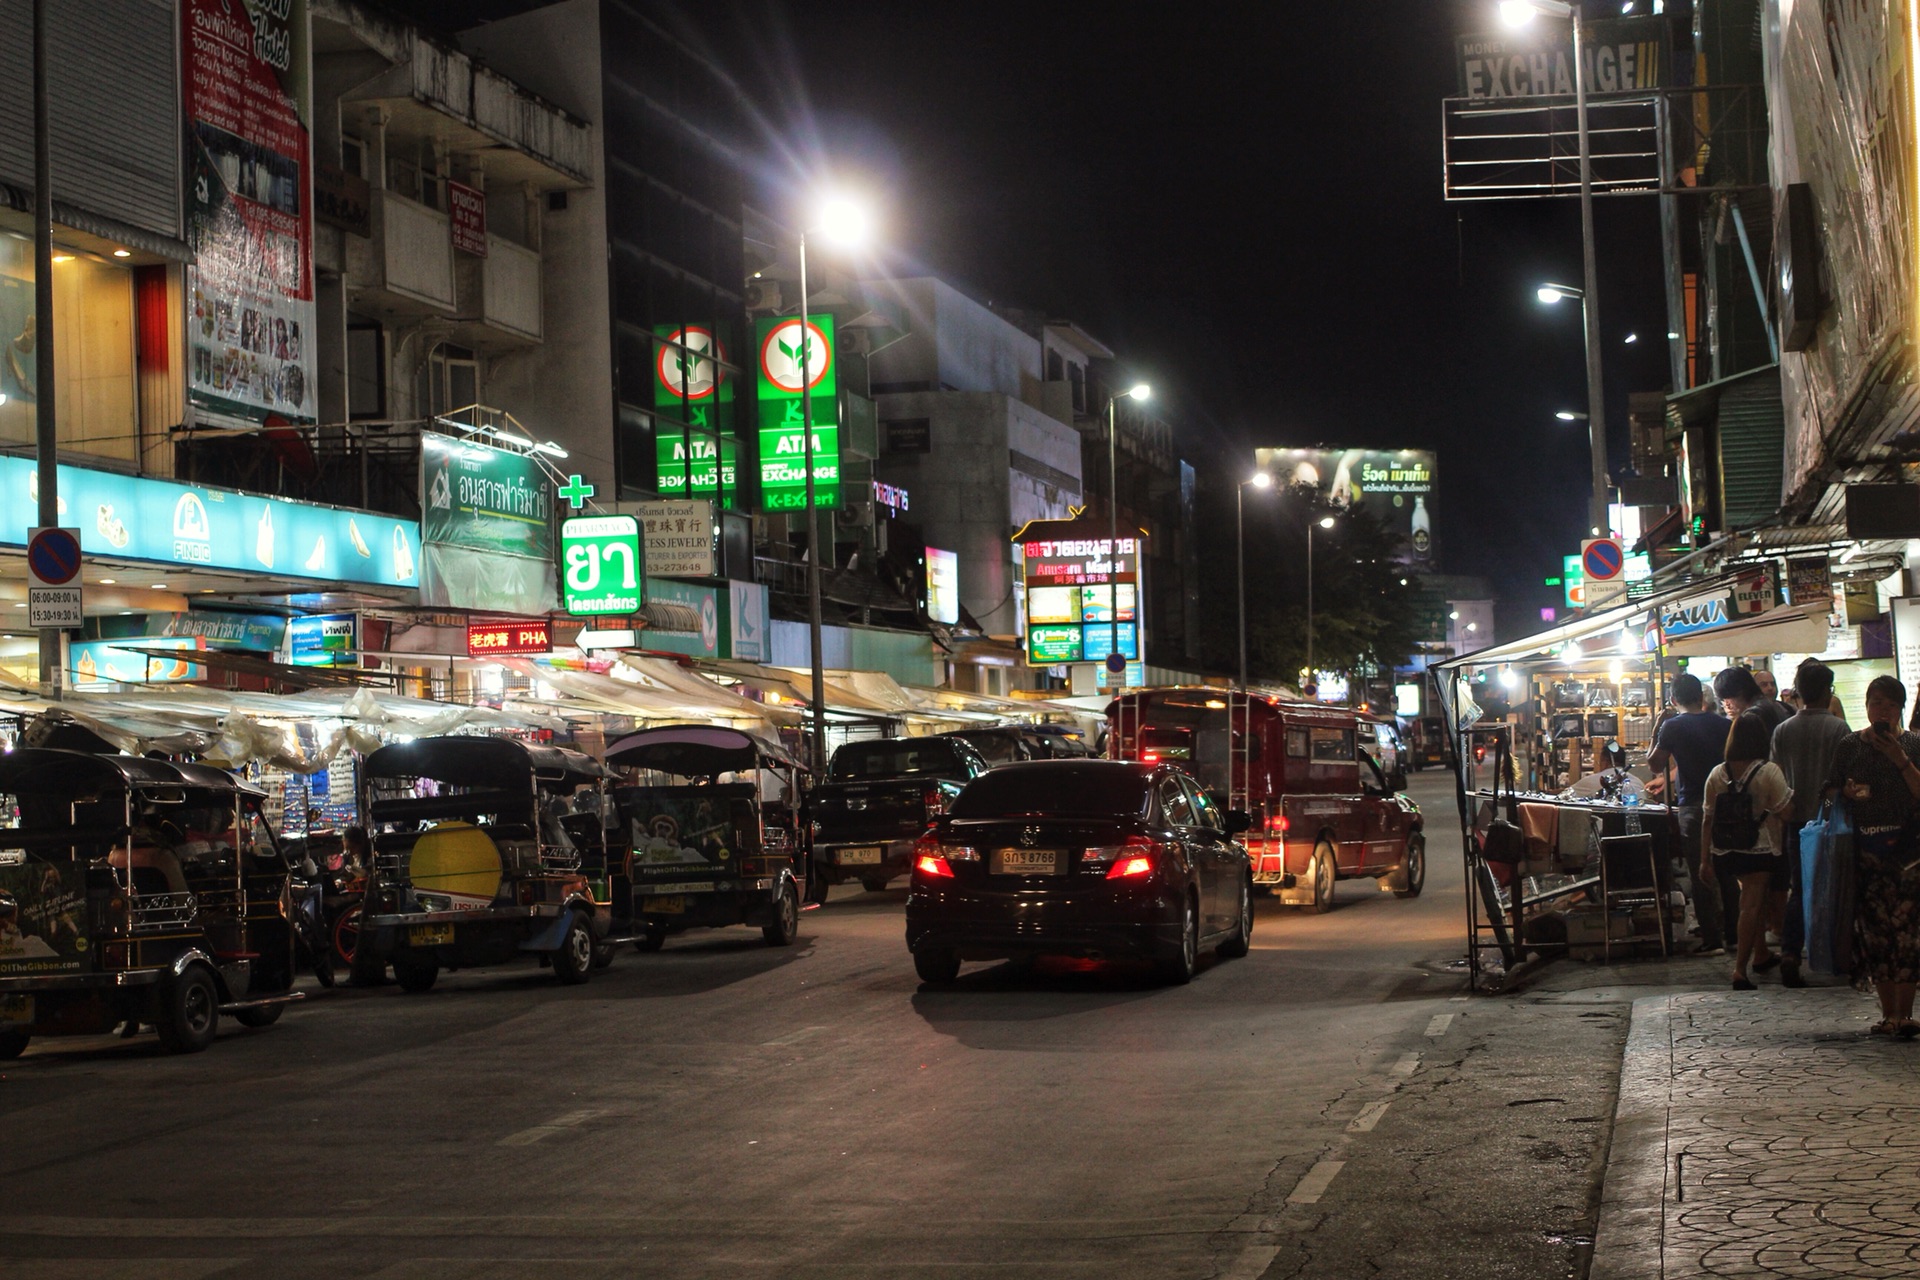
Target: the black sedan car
pixel 1091 858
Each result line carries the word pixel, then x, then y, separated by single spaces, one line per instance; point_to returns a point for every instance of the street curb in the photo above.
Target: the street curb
pixel 1629 1241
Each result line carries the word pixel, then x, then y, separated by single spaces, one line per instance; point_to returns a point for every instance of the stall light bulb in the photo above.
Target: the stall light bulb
pixel 1508 679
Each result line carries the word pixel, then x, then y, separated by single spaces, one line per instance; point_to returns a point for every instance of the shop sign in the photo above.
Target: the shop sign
pixel 1622 55
pixel 1396 485
pixel 342 199
pixel 133 518
pixel 467 215
pixel 323 640
pixel 1075 578
pixel 890 496
pixel 1906 640
pixel 508 639
pixel 705 603
pixel 1753 593
pixel 1809 580
pixel 1406 700
pixel 248 96
pixel 617 638
pixel 600 565
pixel 682 539
pixel 261 633
pixel 748 632
pixel 1573 581
pixel 97 664
pixel 943 586
pixel 1690 617
pixel 1048 646
pixel 793 364
pixel 484 499
pixel 696 452
pixel 1135 677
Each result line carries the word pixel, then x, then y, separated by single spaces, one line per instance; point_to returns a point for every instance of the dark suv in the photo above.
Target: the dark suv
pixel 1089 858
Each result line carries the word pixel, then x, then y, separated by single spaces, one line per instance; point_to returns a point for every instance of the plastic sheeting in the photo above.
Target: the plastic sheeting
pixel 1840 98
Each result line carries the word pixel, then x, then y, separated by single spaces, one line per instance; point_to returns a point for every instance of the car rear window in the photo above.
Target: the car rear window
pixel 994 748
pixel 1065 790
pixel 893 758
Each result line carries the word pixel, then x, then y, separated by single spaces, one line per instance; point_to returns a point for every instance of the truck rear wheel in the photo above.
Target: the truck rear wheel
pixel 1322 876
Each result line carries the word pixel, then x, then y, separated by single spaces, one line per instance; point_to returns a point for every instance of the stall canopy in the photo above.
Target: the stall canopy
pixel 1800 629
pixel 648 689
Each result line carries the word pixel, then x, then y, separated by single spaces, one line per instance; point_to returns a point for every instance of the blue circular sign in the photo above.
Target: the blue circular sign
pixel 54 555
pixel 1602 561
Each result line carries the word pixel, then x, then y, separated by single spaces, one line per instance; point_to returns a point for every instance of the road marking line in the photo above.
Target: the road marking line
pixel 1457 999
pixel 1369 1116
pixel 792 1037
pixel 541 1132
pixel 1438 1024
pixel 1408 1064
pixel 1314 1185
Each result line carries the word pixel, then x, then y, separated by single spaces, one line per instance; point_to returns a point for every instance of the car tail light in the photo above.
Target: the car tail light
pixel 1133 857
pixel 1149 757
pixel 932 866
pixel 1134 864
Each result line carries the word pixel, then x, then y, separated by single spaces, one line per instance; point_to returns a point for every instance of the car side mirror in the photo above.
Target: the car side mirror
pixel 1238 820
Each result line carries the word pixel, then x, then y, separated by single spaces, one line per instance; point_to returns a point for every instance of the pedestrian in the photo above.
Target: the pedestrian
pixel 1692 742
pixel 1771 708
pixel 358 850
pixel 1746 801
pixel 1739 692
pixel 1877 769
pixel 1804 748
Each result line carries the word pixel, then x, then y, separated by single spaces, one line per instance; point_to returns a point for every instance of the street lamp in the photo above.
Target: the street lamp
pixel 1569 415
pixel 842 223
pixel 1518 13
pixel 1139 391
pixel 1552 295
pixel 1259 480
pixel 1313 680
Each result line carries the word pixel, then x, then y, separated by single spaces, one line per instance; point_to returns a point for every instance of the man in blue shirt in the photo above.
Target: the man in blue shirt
pixel 1693 742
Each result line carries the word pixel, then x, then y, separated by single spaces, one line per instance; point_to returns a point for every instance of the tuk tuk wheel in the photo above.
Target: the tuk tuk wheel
pixel 13 1044
pixel 189 1011
pixel 264 1016
pixel 415 976
pixel 785 925
pixel 573 962
pixel 653 939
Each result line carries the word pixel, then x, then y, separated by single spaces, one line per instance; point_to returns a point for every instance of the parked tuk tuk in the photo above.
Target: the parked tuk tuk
pixel 717 835
pixel 484 852
pixel 136 891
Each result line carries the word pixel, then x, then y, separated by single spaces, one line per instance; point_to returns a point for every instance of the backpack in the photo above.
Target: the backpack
pixel 1735 825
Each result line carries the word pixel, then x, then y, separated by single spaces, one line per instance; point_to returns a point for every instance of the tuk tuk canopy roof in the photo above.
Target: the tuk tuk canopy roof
pixel 50 770
pixel 499 764
pixel 693 750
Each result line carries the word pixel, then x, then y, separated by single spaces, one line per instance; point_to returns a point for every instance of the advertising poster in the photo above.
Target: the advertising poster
pixel 792 364
pixel 705 604
pixel 1073 575
pixel 1396 485
pixel 486 521
pixel 101 664
pixel 246 77
pixel 943 586
pixel 46 932
pixel 323 640
pixel 696 454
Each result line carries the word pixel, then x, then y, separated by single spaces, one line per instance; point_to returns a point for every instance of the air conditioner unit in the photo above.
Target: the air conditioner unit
pixel 853 512
pixel 763 295
pixel 856 342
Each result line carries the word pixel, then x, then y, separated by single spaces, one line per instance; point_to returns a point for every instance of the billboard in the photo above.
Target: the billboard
pixel 1076 578
pixel 486 519
pixel 943 586
pixel 696 453
pixel 1395 485
pixel 1624 55
pixel 789 364
pixel 247 85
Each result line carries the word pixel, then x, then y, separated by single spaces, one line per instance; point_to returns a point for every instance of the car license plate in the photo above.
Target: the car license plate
pixel 1026 862
pixel 860 857
pixel 430 935
pixel 16 1011
pixel 671 906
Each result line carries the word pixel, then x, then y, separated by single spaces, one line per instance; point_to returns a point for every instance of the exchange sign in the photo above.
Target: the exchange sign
pixel 796 364
pixel 600 565
pixel 696 454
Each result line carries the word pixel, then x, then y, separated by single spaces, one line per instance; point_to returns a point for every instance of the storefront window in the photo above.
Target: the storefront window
pixel 93 329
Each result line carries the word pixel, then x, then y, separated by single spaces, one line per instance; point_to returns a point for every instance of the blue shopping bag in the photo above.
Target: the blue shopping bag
pixel 1827 889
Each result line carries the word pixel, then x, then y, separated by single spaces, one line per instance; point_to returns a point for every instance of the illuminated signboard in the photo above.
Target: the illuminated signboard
pixel 1073 576
pixel 693 382
pixel 323 640
pixel 600 565
pixel 943 585
pixel 507 639
pixel 1396 485
pixel 792 365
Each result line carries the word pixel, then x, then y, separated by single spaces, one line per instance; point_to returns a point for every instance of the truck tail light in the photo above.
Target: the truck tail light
pixel 935 799
pixel 1277 824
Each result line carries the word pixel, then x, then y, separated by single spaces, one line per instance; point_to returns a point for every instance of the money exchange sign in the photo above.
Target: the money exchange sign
pixel 796 364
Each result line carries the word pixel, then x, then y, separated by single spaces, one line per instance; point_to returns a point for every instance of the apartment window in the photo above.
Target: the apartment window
pixel 353 156
pixel 1056 367
pixel 452 384
pixel 366 369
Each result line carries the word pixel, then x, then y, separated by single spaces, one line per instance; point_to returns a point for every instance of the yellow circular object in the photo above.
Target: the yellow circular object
pixel 459 860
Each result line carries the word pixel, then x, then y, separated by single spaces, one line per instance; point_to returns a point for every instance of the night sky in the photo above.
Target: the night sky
pixel 1245 202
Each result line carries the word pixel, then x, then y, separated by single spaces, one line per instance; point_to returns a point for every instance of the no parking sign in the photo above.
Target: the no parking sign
pixel 1604 562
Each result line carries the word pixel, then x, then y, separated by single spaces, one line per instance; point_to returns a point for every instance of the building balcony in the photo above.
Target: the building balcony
pixel 499 295
pixel 405 269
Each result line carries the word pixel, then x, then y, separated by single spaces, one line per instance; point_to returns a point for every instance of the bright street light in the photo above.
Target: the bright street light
pixel 1138 391
pixel 1261 480
pixel 1326 522
pixel 1551 294
pixel 842 221
pixel 1258 480
pixel 1518 13
pixel 1568 415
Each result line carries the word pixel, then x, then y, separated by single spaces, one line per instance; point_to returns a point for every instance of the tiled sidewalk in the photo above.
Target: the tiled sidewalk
pixel 1762 1134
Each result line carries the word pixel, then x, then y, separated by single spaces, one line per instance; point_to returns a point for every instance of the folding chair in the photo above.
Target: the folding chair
pixel 1630 878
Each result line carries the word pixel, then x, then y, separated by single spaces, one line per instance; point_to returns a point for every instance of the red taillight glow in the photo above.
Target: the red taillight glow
pixel 1278 823
pixel 1127 868
pixel 933 866
pixel 1149 757
pixel 935 800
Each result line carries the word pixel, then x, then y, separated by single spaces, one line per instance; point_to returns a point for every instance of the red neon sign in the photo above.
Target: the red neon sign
pixel 507 639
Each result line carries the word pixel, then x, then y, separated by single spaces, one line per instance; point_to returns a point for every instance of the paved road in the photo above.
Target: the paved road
pixel 726 1108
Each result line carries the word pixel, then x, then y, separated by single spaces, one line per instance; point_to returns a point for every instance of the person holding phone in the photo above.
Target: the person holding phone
pixel 1877 772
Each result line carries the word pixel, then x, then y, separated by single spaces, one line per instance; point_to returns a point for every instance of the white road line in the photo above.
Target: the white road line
pixel 541 1132
pixel 1457 999
pixel 1438 1024
pixel 1369 1116
pixel 1408 1064
pixel 792 1037
pixel 1314 1185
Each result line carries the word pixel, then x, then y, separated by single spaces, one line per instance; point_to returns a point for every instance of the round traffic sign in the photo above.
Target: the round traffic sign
pixel 54 556
pixel 1602 561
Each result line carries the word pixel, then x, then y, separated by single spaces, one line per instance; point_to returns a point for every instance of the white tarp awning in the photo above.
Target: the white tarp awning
pixel 1797 629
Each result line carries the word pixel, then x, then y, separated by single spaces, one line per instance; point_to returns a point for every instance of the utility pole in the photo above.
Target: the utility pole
pixel 45 439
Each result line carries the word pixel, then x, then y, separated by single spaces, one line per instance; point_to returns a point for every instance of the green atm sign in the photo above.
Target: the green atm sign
pixel 796 362
pixel 600 565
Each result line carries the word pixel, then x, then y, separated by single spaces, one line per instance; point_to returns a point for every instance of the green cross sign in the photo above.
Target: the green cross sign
pixel 576 491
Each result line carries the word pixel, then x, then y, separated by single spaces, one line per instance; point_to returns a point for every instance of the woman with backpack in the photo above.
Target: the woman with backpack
pixel 1746 800
pixel 1877 771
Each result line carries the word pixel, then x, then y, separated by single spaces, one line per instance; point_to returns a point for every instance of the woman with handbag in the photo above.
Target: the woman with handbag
pixel 1877 771
pixel 1745 804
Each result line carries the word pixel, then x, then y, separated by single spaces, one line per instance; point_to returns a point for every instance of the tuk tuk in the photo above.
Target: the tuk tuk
pixel 717 835
pixel 136 891
pixel 484 851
